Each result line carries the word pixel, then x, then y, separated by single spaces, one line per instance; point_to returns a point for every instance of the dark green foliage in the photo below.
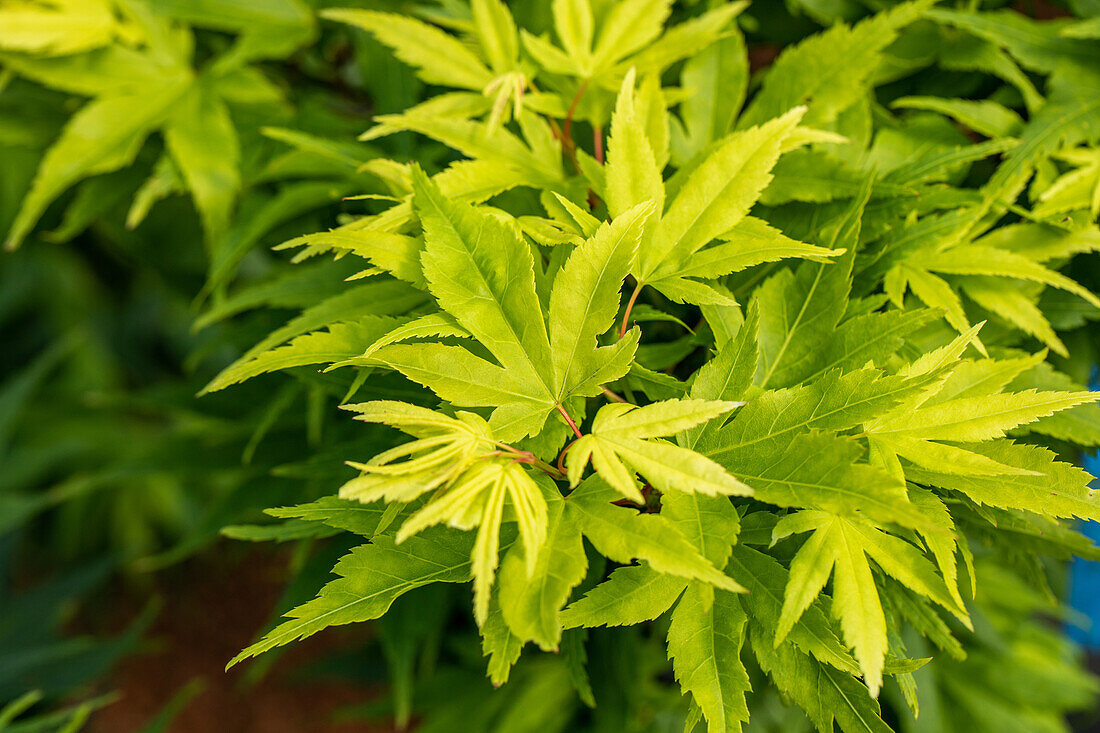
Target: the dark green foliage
pixel 747 398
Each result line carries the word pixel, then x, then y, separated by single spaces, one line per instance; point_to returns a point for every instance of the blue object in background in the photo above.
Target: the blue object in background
pixel 1084 580
pixel 1084 575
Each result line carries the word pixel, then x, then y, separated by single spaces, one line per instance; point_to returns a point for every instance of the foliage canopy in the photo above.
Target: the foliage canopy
pixel 770 375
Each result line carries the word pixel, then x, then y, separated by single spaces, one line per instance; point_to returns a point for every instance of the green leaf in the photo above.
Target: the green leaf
pixel 267 28
pixel 585 299
pixel 532 602
pixel 371 578
pixel 841 547
pixel 827 696
pixel 574 24
pixel 984 116
pixel 350 516
pixel 338 343
pixel 717 80
pixel 709 522
pixel 631 25
pixel 497 34
pixel 621 443
pixel 766 580
pixel 203 143
pixel 633 176
pixel 829 71
pixel 438 57
pixel 624 535
pixel 716 196
pixel 977 418
pixel 977 260
pixel 101 137
pixel 1054 489
pixel 64 27
pixel 704 645
pixel 499 644
pixel 629 596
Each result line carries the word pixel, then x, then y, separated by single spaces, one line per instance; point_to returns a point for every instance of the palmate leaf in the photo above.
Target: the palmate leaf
pixel 481 272
pixel 711 203
pixel 338 343
pixel 444 448
pixel 585 299
pixel 266 29
pixel 977 260
pixel 621 442
pixel 707 628
pixel 717 79
pixel 350 516
pixel 378 239
pixel 969 419
pixel 1080 425
pixel 766 581
pixel 715 197
pixel 1069 117
pixel 476 497
pixel 800 311
pixel 350 330
pixel 633 176
pixel 985 117
pixel 629 36
pixel 457 457
pixel 842 546
pixel 828 697
pixel 516 161
pixel 499 644
pixel 781 444
pixel 1077 189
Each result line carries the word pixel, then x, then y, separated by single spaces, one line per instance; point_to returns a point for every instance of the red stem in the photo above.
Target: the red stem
pixel 629 307
pixel 597 144
pixel 576 430
pixel 561 457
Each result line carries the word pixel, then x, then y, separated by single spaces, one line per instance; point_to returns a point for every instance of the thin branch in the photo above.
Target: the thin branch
pixel 567 126
pixel 576 430
pixel 630 307
pixel 567 143
pixel 561 456
pixel 612 396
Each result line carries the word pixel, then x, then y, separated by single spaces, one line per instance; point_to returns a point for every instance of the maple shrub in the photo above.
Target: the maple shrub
pixel 776 372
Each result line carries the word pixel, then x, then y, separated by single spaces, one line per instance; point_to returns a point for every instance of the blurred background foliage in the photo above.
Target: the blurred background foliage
pixel 152 152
